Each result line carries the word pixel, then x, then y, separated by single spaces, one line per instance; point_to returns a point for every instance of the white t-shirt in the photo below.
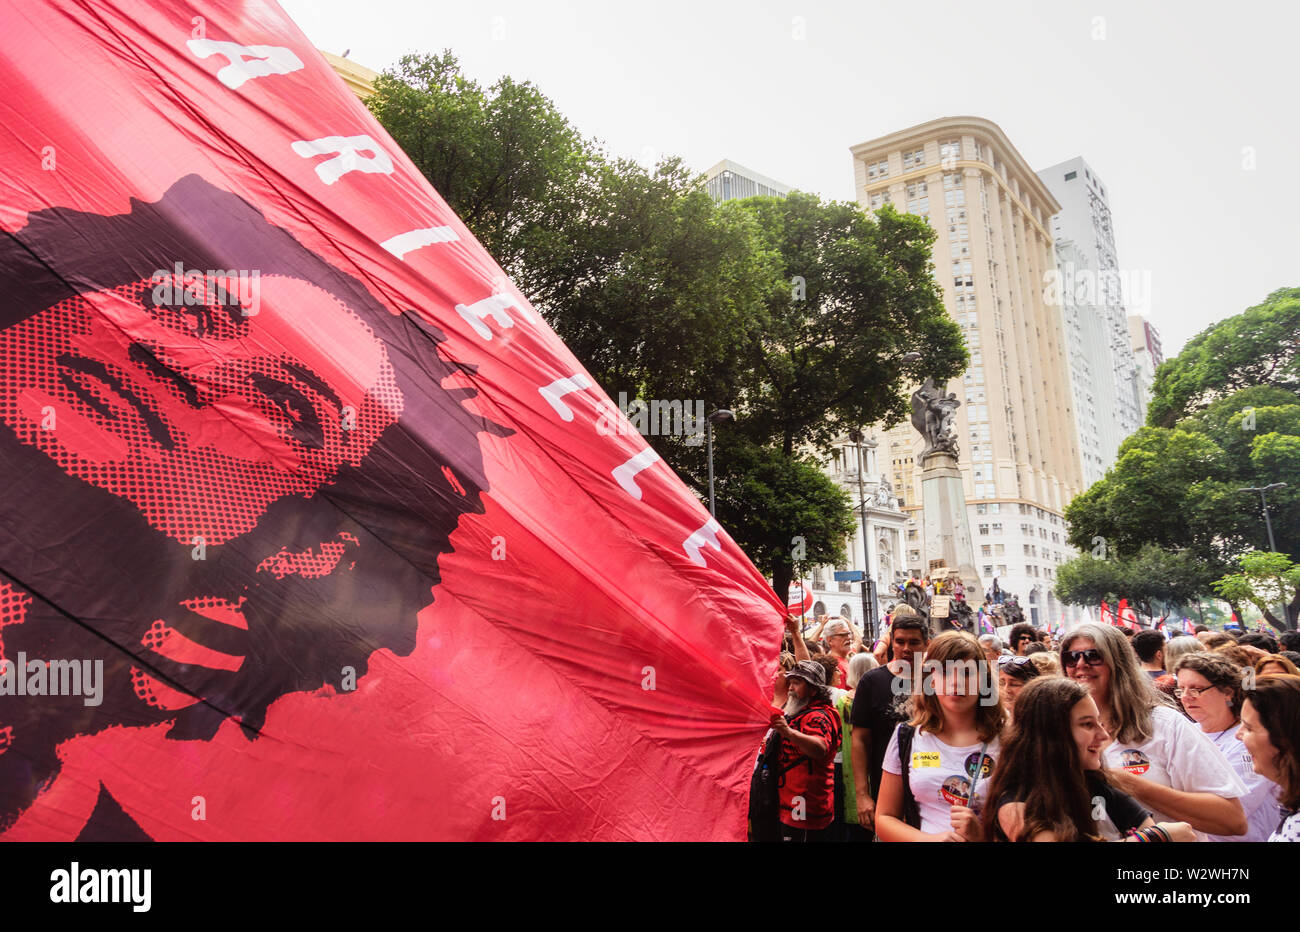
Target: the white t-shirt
pixel 1260 801
pixel 941 776
pixel 1289 831
pixel 1177 755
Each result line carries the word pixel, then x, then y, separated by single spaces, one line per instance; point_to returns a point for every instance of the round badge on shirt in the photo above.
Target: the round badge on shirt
pixel 955 790
pixel 973 762
pixel 1134 761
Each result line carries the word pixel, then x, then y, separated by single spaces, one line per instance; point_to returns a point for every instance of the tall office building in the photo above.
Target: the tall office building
pixel 1147 355
pixel 728 180
pixel 1089 288
pixel 1020 458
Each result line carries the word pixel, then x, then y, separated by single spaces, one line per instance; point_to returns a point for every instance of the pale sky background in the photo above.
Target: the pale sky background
pixel 1163 107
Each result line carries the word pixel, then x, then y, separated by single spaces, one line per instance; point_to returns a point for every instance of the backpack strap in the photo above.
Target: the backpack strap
pixel 911 811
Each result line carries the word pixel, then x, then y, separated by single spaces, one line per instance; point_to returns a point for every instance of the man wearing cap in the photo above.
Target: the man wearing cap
pixel 809 736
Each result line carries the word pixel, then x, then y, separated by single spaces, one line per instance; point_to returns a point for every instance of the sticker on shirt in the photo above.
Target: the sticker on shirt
pixel 924 759
pixel 955 791
pixel 985 766
pixel 1134 761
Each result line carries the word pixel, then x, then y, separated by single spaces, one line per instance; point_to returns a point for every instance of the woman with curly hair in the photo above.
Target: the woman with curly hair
pixel 1058 731
pixel 1210 689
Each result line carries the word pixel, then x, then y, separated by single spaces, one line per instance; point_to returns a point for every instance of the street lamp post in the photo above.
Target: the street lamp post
pixel 722 414
pixel 868 583
pixel 1268 524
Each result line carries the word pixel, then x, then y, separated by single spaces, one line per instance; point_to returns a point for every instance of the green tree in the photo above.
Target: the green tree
pixel 503 158
pixel 1258 347
pixel 1269 581
pixel 1153 580
pixel 854 294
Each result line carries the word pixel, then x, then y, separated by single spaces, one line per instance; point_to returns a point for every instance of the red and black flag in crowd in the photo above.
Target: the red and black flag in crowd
pixel 309 529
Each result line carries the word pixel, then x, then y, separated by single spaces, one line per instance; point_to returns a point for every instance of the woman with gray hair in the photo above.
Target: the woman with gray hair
pixel 1158 757
pixel 1180 647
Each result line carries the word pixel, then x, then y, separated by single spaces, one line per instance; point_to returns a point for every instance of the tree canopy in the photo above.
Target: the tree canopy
pixel 1259 347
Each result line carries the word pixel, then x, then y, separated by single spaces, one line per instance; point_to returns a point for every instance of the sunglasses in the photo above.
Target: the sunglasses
pixel 1092 657
pixel 1013 662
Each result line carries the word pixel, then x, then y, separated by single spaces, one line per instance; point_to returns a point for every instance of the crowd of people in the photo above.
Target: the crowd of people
pixel 1096 734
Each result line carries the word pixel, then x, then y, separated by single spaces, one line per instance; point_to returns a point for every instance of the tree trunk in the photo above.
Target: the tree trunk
pixel 782 575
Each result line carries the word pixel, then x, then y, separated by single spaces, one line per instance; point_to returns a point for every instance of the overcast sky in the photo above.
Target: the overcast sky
pixel 1187 111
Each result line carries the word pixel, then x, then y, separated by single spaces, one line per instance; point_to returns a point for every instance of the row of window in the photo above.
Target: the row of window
pixel 1030 570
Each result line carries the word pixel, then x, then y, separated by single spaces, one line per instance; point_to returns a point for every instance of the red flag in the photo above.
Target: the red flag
pixel 355 544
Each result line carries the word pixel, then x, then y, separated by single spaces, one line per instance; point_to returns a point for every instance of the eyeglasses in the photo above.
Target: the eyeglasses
pixel 1013 661
pixel 1092 657
pixel 1191 692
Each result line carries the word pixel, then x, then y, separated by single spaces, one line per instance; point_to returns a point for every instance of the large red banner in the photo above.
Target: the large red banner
pixel 309 527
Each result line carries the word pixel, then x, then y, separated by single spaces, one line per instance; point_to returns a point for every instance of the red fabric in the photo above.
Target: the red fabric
pixel 235 510
pixel 808 787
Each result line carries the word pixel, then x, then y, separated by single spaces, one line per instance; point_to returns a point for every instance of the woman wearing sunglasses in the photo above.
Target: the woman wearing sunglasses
pixel 1210 689
pixel 1158 757
pixel 1059 732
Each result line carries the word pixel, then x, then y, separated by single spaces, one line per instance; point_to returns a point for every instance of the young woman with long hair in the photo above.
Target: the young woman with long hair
pixel 1158 757
pixel 1270 730
pixel 1058 731
pixel 1210 689
pixel 938 762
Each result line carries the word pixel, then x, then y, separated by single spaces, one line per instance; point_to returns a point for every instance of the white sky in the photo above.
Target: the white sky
pixel 1162 107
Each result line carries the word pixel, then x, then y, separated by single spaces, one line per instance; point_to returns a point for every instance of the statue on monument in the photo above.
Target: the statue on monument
pixel 934 417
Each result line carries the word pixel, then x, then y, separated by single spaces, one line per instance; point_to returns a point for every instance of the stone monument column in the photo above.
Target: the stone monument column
pixel 946 527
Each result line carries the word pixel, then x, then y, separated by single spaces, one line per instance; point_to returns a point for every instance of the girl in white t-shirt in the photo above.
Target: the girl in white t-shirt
pixel 1210 688
pixel 951 745
pixel 1270 730
pixel 1158 757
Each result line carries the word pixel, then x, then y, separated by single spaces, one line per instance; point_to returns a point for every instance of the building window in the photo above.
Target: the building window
pixel 1070 176
pixel 878 169
pixel 913 159
pixel 996 527
pixel 984 529
pixel 880 199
